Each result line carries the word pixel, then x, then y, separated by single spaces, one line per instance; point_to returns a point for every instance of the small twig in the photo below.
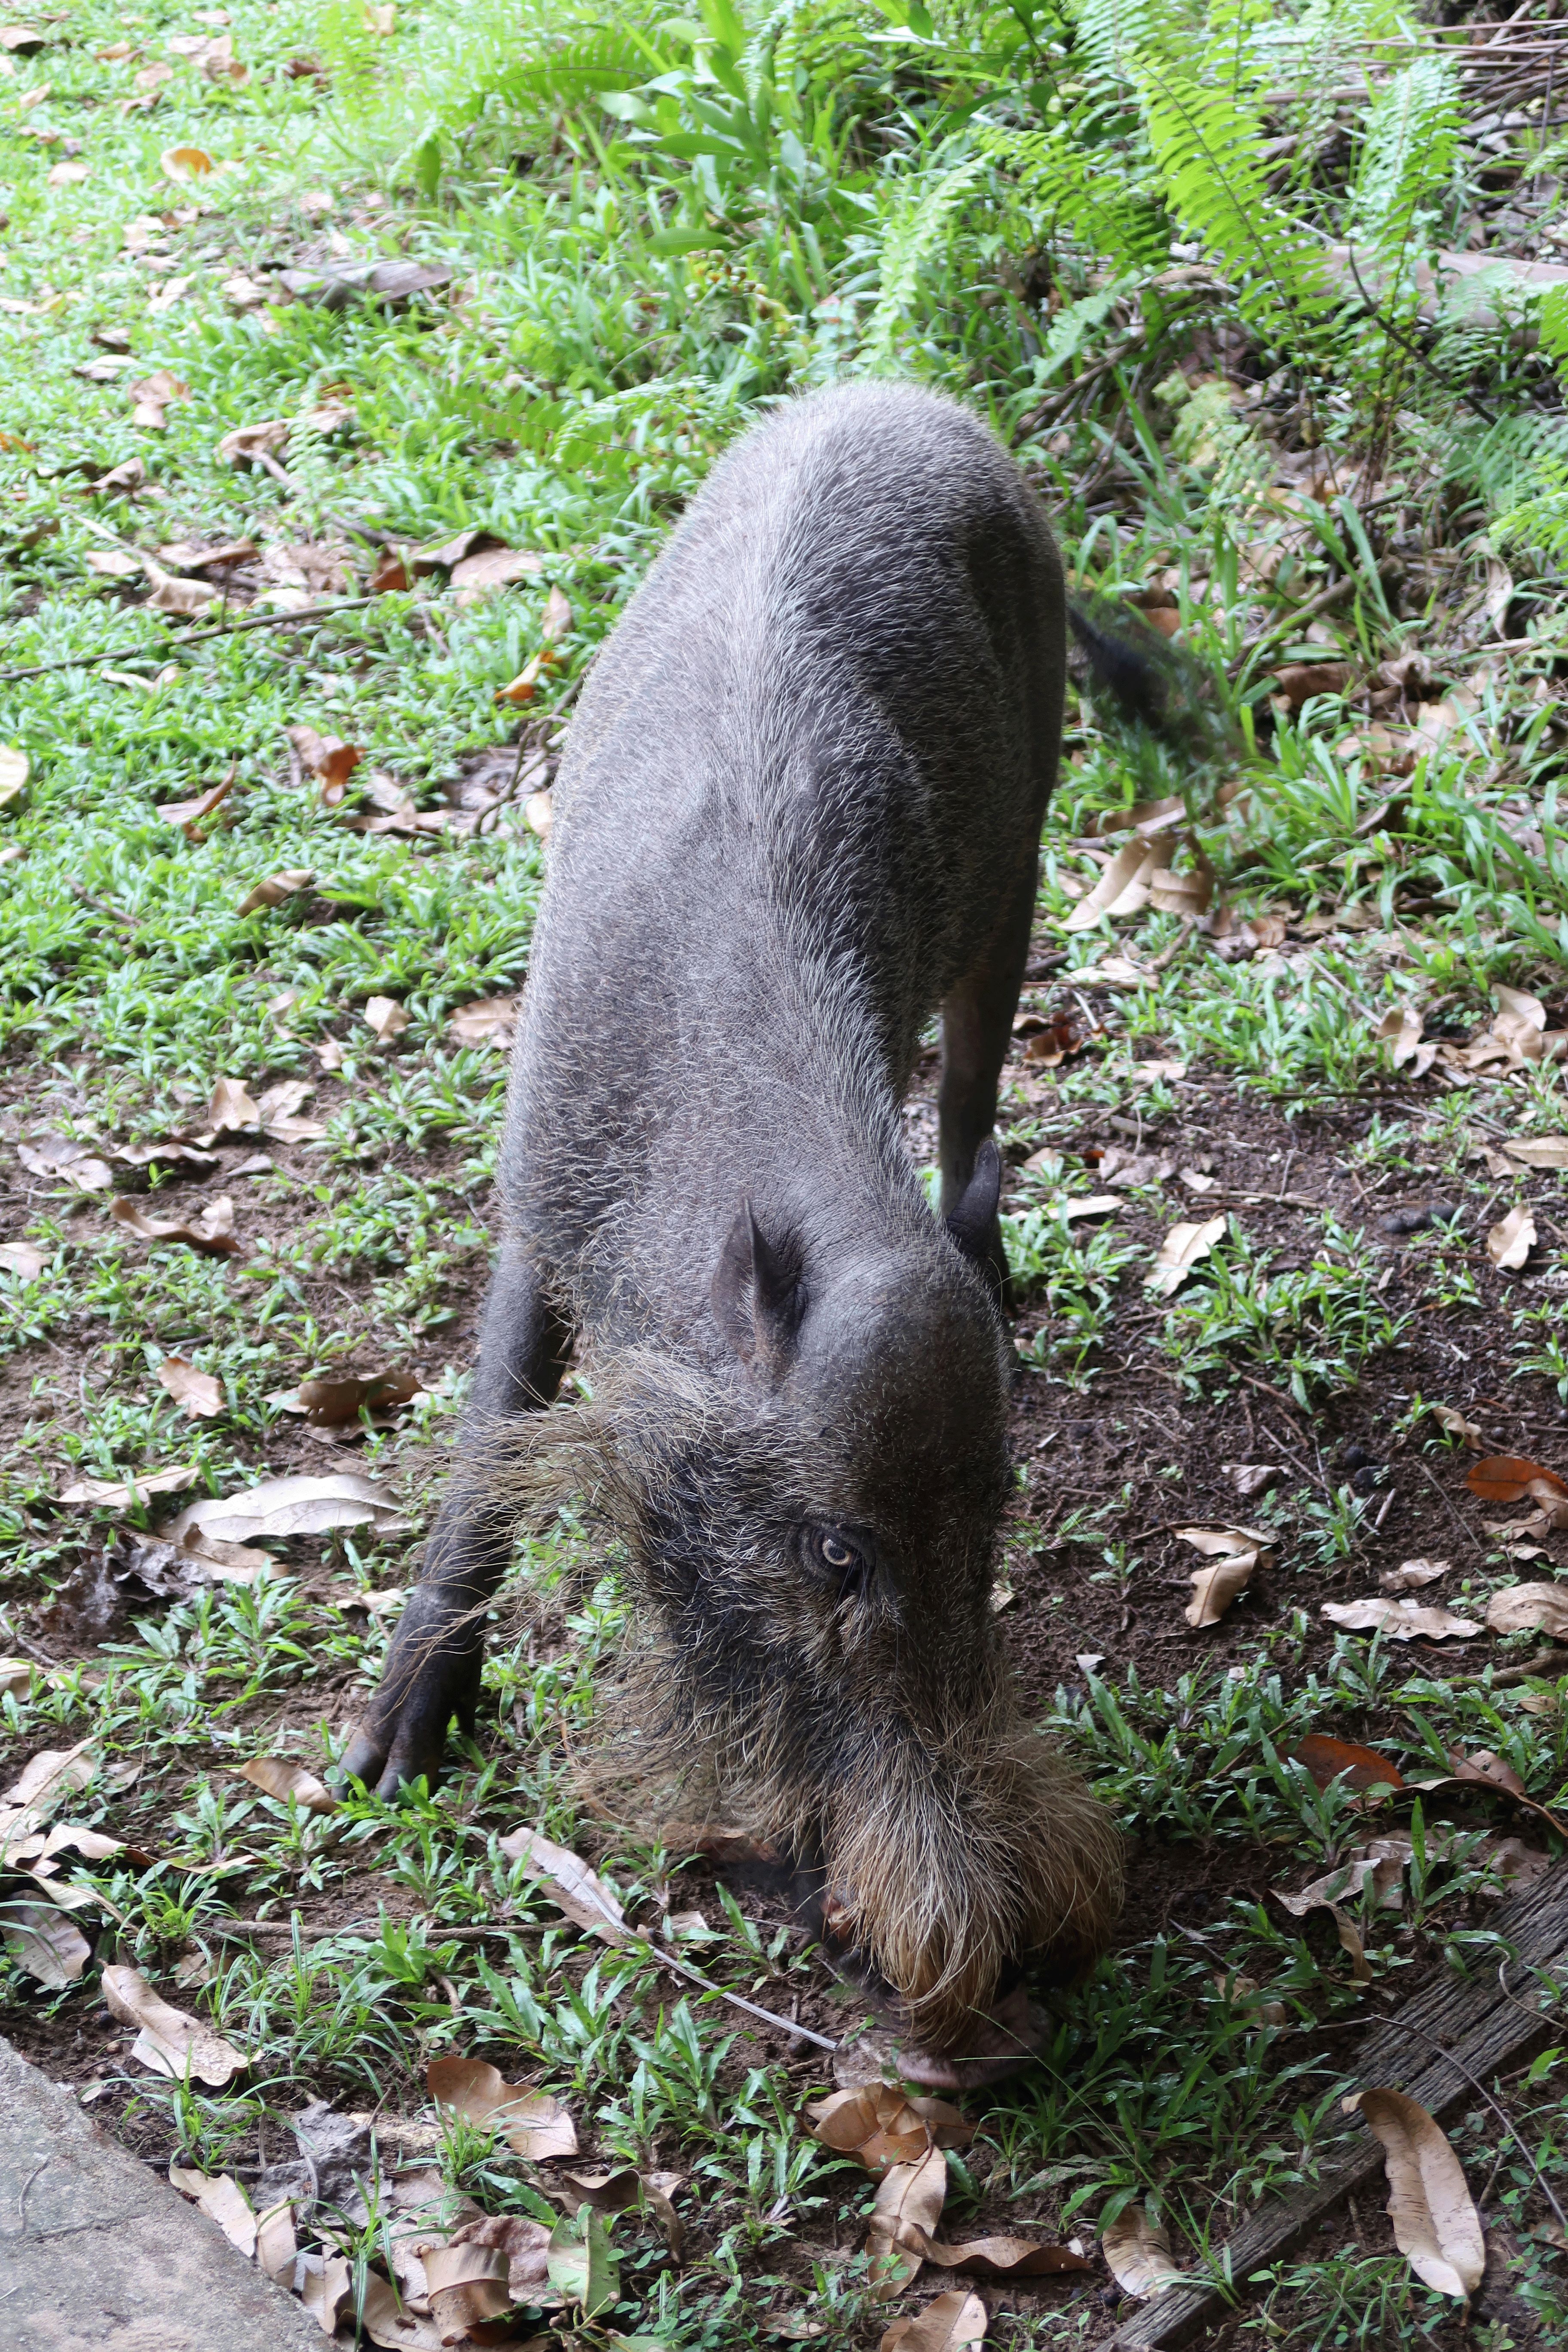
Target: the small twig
pixel 192 638
pixel 364 1926
pixel 1544 1662
pixel 527 1927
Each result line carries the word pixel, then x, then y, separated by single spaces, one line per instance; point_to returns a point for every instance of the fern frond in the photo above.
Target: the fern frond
pixel 1554 322
pixel 1205 142
pixel 1109 215
pixel 1407 153
pixel 1112 35
pixel 910 236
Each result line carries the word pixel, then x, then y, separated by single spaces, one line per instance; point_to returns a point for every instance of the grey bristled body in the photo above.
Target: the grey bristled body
pixel 799 813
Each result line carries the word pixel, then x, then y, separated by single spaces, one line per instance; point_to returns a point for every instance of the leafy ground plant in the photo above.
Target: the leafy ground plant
pixel 358 360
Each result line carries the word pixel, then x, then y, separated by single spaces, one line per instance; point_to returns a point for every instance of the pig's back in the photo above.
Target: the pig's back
pixel 808 767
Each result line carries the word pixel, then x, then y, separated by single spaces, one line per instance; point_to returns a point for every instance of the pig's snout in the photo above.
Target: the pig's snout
pixel 960 1870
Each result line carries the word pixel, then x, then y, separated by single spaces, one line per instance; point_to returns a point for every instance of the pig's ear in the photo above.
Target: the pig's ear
pixel 972 1222
pixel 757 1297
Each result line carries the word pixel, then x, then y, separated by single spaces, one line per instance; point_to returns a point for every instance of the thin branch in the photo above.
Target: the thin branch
pixel 192 638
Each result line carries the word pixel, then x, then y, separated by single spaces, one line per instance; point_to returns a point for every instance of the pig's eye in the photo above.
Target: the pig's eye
pixel 830 1549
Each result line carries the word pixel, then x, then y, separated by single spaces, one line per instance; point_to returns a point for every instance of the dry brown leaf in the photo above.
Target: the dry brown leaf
pixel 1412 1573
pixel 1381 1862
pixel 278 1106
pixel 222 2199
pixel 23 1261
pixel 1236 1552
pixel 395 2329
pixel 188 815
pixel 1401 1620
pixel 1138 2253
pixel 539 812
pixel 168 2040
pixel 125 1493
pixel 1251 1479
pixel 1179 1255
pixel 189 598
pixel 1245 1993
pixel 230 1109
pixel 44 1942
pixel 386 1017
pixel 532 2124
pixel 491 1021
pixel 213 1234
pixel 16 1677
pixel 1189 894
pixel 884 2124
pixel 1488 1769
pixel 1529 1608
pixel 909 2198
pixel 185 555
pixel 288 1506
pixel 328 2288
pixel 1350 1944
pixel 1123 888
pixel 1510 1242
pixel 1328 1759
pixel 338 1403
pixel 611 2192
pixel 258 445
pixel 659 2192
pixel 1213 1588
pixel 276 889
pixel 1148 818
pixel 276 2244
pixel 186 164
pixel 54 1774
pixel 580 1892
pixel 524 2242
pixel 195 1392
pixel 523 687
pixel 1538 1151
pixel 468 2285
pixel 996 2258
pixel 1401 1031
pixel 496 567
pixel 326 756
pixel 284 1780
pixel 1452 1422
pixel 1510 1477
pixel 61 1157
pixel 949 2323
pixel 1436 2225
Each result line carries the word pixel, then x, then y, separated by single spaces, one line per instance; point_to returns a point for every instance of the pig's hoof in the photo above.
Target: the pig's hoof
pixel 1002 2045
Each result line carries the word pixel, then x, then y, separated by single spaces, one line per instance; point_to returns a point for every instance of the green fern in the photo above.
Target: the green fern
pixel 1407 153
pixel 912 236
pixel 1204 141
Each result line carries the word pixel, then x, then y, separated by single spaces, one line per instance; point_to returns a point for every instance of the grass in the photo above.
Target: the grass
pixel 626 286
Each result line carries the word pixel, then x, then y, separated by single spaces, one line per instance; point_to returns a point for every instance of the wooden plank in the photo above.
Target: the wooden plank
pixel 1483 2027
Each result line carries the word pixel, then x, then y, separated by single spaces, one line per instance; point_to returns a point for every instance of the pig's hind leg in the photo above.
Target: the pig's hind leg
pixel 433 1669
pixel 976 1030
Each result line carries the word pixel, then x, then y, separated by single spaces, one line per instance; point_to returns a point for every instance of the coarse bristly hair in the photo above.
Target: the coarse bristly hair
pixel 888 1744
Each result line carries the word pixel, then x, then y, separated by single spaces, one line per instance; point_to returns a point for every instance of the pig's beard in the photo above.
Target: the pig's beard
pixel 955 1840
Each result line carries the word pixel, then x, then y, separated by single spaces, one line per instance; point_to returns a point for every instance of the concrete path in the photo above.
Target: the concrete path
pixel 95 2250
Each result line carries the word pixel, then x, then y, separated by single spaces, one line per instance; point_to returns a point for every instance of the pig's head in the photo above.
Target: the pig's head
pixel 815 1527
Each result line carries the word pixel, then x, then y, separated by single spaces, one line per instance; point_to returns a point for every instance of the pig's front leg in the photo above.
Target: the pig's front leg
pixel 433 1668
